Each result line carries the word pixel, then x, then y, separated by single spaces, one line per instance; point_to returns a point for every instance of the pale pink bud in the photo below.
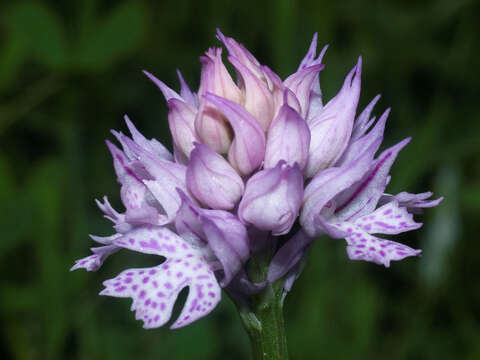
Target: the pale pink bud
pixel 331 128
pixel 259 100
pixel 241 53
pixel 301 82
pixel 210 124
pixel 215 77
pixel 287 139
pixel 212 180
pixel 212 129
pixel 272 198
pixel 181 120
pixel 248 146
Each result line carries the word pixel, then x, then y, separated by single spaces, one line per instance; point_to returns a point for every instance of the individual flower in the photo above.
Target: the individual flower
pixel 259 165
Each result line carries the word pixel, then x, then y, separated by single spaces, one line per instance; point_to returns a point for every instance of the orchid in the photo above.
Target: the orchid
pixel 260 169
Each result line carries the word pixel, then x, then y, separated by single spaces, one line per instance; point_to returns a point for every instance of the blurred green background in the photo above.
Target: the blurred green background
pixel 69 70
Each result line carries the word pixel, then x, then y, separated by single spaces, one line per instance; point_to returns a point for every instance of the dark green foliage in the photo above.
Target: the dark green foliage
pixel 68 72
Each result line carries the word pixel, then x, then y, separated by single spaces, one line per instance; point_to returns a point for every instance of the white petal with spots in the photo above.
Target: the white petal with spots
pixel 388 219
pixel 154 290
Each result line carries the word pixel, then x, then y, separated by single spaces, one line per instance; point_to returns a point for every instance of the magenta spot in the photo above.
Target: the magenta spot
pixel 168 285
pixel 129 273
pixel 209 285
pixel 382 253
pixel 150 321
pixel 179 274
pixel 387 212
pixel 155 284
pixel 358 234
pixel 367 227
pixel 199 307
pixel 131 241
pixel 184 246
pixel 156 318
pixel 152 272
pixel 371 248
pixel 142 294
pixel 141 272
pixel 403 223
pixel 361 246
pixel 194 303
pixel 134 287
pixel 363 240
pixel 120 289
pixel 189 255
pixel 401 253
pixel 147 302
pixel 145 279
pixel 349 230
pixel 165 267
pixel 358 252
pixel 178 260
pixel 398 216
pixel 211 294
pixel 128 280
pixel 160 294
pixel 199 291
pixel 154 304
pixel 162 306
pixel 117 283
pixel 186 317
pixel 83 262
pixel 187 263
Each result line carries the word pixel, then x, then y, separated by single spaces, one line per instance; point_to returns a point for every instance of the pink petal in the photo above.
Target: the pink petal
pixel 355 147
pixel 212 180
pixel 362 198
pixel 332 127
pixel 248 146
pixel 272 198
pixel 181 120
pixel 185 92
pixel 166 91
pixel 287 139
pixel 301 82
pixel 258 99
pixel 329 183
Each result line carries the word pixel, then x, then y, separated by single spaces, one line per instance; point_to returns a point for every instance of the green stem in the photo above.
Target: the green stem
pixel 264 323
pixel 262 314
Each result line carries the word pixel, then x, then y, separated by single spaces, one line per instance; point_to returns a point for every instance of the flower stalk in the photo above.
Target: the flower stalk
pixel 262 315
pixel 265 325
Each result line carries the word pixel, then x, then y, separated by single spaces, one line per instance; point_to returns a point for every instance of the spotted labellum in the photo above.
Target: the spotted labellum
pixel 258 163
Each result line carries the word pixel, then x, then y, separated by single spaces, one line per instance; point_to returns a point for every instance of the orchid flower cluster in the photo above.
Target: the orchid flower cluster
pixel 257 162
